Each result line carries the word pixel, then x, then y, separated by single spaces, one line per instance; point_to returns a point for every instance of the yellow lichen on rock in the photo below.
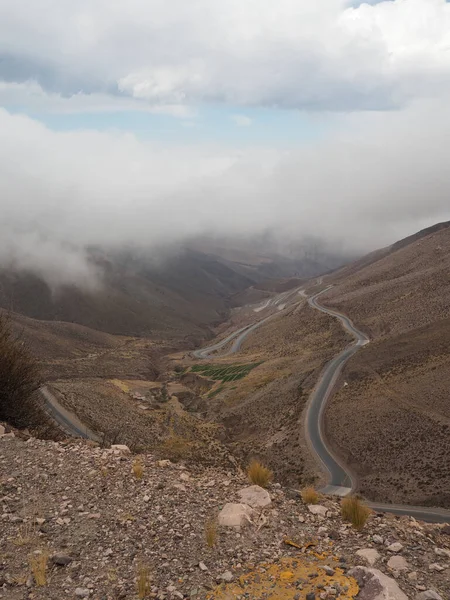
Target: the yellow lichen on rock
pixel 284 580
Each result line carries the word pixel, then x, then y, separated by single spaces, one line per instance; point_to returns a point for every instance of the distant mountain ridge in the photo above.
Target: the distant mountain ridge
pixel 178 297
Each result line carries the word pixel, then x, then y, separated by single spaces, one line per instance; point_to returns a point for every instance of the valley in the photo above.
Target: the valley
pixel 246 394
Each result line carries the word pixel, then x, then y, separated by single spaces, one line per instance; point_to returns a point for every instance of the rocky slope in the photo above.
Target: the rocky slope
pixel 100 530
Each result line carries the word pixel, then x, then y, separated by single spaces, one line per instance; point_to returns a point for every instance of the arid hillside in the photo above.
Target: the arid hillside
pixel 280 362
pixel 177 299
pixel 391 421
pixel 176 296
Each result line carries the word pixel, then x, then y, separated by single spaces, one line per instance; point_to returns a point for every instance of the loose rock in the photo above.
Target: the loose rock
pixel 255 496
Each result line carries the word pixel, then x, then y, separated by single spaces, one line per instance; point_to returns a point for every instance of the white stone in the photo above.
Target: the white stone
pixel 429 595
pixel 370 555
pixel 435 567
pixel 442 552
pixel 227 577
pixel 378 539
pixel 397 563
pixel 202 566
pixel 375 585
pixel 82 592
pixel 395 547
pixel 235 515
pixel 120 449
pixel 317 509
pixel 2 430
pixel 255 496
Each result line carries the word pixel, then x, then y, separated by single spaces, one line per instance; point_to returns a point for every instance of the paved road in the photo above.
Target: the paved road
pixel 205 352
pixel 240 335
pixel 341 480
pixel 64 418
pixel 340 477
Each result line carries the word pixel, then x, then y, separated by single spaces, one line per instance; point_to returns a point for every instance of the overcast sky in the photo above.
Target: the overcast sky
pixel 149 121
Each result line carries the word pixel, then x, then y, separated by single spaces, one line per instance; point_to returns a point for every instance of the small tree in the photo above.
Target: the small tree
pixel 19 377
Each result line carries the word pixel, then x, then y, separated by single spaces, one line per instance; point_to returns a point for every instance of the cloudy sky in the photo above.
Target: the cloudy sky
pixel 154 120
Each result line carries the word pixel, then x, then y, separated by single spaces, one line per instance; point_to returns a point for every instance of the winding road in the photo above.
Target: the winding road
pixel 341 480
pixel 65 419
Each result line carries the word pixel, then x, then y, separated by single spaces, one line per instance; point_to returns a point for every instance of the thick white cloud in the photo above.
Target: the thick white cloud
pixel 376 178
pixel 290 53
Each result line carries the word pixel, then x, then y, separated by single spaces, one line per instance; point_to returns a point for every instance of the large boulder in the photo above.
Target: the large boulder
pixel 235 515
pixel 255 496
pixel 375 585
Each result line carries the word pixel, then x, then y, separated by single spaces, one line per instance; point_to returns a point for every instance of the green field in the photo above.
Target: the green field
pixel 224 373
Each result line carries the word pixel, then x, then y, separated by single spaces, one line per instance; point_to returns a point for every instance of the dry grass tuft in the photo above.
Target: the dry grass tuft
pixel 27 534
pixel 38 565
pixel 309 495
pixel 175 448
pixel 143 582
pixel 259 474
pixel 211 532
pixel 355 511
pixel 138 468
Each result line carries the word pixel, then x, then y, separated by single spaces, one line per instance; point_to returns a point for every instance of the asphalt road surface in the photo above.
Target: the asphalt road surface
pixel 341 482
pixel 64 418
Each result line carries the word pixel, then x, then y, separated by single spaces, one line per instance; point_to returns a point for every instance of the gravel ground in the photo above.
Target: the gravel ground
pixel 83 506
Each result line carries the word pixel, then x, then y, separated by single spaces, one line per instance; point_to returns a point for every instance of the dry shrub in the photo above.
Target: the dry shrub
pixel 355 511
pixel 38 565
pixel 175 448
pixel 19 379
pixel 143 582
pixel 259 474
pixel 309 495
pixel 138 468
pixel 211 532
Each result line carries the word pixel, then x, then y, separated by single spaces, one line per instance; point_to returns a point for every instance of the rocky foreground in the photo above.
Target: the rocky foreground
pixel 81 517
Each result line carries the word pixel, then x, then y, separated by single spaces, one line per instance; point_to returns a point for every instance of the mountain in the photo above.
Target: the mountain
pixel 178 296
pixel 392 421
